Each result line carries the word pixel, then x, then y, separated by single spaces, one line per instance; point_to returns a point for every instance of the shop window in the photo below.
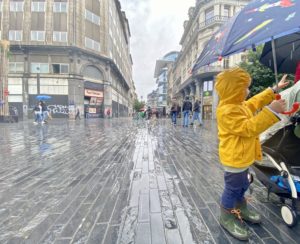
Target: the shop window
pixel 60 68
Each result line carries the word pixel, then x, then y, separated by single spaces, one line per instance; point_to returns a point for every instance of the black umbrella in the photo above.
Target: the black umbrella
pixel 287 49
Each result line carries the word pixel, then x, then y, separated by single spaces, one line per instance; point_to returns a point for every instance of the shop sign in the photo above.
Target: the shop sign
pixel 207 93
pixel 93 93
pixel 92 110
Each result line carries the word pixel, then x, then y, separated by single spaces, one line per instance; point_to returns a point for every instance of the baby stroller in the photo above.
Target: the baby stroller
pixel 280 169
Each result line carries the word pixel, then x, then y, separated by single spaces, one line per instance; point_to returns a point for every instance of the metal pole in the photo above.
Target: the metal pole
pixel 274 60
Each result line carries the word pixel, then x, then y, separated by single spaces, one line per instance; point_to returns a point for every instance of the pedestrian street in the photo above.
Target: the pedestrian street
pixel 119 181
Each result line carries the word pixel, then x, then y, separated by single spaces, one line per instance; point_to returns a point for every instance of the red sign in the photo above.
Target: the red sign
pixel 6 92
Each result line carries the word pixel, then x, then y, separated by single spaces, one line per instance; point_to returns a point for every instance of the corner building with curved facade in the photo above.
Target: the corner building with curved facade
pixel 76 51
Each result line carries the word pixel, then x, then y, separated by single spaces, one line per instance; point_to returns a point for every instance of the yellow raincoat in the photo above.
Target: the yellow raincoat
pixel 238 123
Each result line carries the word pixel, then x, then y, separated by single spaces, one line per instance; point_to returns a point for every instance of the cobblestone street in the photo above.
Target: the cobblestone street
pixel 119 181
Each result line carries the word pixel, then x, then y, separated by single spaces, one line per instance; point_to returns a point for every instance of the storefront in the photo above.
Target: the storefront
pixel 207 99
pixel 93 100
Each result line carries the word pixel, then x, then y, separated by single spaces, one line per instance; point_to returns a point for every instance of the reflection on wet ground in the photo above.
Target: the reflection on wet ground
pixel 118 181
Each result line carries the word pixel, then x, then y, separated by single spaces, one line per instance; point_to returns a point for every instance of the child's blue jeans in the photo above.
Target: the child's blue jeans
pixel 236 184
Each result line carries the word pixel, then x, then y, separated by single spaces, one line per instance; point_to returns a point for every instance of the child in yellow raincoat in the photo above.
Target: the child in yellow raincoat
pixel 239 126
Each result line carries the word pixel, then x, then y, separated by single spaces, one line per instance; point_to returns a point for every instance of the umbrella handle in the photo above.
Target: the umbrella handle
pixel 294 109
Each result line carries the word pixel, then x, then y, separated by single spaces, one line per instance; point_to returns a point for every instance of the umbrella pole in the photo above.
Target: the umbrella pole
pixel 275 61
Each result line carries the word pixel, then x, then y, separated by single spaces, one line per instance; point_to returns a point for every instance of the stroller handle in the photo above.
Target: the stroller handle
pixel 294 109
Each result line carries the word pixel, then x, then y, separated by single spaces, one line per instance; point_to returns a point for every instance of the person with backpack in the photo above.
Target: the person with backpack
pixel 186 109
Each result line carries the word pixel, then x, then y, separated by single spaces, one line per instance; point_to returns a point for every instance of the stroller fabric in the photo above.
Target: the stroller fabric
pixel 283 182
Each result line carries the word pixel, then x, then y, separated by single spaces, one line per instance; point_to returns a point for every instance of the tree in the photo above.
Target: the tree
pixel 138 105
pixel 262 76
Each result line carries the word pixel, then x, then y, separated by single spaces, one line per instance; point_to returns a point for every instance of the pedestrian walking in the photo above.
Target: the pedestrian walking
pixel 77 114
pixel 186 109
pixel 149 113
pixel 197 112
pixel 44 112
pixel 174 112
pixel 239 126
pixel 37 113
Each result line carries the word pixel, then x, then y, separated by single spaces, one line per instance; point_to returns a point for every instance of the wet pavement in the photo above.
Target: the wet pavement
pixel 119 181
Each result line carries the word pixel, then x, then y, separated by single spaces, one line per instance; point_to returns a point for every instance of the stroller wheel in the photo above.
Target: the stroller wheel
pixel 289 215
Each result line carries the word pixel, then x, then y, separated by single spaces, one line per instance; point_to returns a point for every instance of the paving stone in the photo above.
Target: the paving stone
pixel 143 235
pixel 118 181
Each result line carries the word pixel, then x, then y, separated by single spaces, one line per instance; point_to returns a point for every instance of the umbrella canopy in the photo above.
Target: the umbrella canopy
pixel 43 97
pixel 259 22
pixel 287 53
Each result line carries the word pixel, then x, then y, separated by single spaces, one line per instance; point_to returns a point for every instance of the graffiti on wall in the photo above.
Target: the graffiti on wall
pixel 58 109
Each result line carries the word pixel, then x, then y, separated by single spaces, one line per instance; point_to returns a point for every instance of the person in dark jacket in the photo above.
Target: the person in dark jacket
pixel 186 109
pixel 44 112
pixel 174 111
pixel 197 112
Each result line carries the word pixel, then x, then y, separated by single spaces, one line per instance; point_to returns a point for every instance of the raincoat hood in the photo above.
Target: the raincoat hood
pixel 231 86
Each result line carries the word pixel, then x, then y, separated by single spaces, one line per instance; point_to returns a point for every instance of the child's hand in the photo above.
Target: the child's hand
pixel 278 106
pixel 282 83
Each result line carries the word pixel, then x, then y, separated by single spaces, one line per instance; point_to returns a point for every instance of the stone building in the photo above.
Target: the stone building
pixel 205 18
pixel 162 69
pixel 76 51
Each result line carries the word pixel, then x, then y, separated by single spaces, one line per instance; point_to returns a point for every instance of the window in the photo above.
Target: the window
pixel 60 7
pixel 16 6
pixel 91 44
pixel 39 68
pixel 226 63
pixel 208 86
pixel 60 36
pixel 16 67
pixel 209 14
pixel 37 35
pixel 38 7
pixel 92 17
pixel 226 11
pixel 15 35
pixel 60 68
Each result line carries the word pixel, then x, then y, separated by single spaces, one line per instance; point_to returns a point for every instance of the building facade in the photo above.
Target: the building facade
pixel 162 68
pixel 152 99
pixel 205 18
pixel 77 52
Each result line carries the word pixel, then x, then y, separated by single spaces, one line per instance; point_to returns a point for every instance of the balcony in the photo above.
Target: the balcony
pixel 217 19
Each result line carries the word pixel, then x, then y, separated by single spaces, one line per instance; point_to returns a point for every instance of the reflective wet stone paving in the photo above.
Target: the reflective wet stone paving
pixel 119 181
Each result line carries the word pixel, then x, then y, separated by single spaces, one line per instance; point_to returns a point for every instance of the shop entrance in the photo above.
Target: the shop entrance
pixel 93 103
pixel 207 112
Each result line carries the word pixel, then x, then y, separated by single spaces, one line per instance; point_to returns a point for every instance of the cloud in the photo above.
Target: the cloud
pixel 156 28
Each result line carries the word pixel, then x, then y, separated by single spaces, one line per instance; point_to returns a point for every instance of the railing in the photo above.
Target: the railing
pixel 213 20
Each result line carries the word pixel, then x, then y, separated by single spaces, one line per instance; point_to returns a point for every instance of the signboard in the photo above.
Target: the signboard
pixel 93 93
pixel 92 110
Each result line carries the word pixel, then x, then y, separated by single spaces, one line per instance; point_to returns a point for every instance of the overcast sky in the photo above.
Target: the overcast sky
pixel 156 28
